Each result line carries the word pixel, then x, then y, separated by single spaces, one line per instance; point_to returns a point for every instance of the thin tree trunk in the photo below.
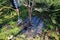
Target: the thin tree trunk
pixel 29 10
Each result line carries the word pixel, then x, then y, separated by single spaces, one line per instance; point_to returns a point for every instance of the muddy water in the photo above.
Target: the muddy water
pixel 35 29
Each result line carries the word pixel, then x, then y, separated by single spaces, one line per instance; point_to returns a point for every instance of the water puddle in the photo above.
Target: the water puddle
pixel 37 27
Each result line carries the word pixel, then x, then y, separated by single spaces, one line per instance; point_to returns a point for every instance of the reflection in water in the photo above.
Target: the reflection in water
pixel 33 30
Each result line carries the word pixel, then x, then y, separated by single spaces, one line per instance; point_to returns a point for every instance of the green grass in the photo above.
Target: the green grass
pixel 8 19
